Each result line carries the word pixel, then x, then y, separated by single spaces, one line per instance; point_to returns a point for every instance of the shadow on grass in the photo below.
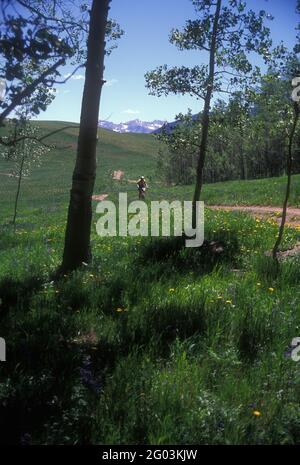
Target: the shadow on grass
pixel 14 292
pixel 171 254
pixel 42 379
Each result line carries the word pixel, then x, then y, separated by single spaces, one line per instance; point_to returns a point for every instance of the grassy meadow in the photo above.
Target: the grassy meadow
pixel 153 343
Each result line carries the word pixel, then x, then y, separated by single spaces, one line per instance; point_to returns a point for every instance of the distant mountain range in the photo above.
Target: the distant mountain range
pixel 141 127
pixel 169 127
pixel 137 126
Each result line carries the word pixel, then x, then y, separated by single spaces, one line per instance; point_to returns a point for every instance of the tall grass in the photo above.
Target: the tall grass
pixel 153 343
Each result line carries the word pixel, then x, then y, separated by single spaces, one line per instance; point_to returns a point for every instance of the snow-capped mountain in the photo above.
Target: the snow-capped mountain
pixel 136 125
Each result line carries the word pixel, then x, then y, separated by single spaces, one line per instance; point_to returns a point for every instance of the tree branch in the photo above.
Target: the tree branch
pixel 13 142
pixel 29 90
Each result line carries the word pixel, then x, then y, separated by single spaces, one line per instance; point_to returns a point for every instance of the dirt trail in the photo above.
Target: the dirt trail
pixel 100 197
pixel 118 175
pixel 6 174
pixel 293 214
pixel 11 175
pixel 292 220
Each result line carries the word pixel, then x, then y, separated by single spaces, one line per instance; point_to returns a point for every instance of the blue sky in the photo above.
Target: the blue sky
pixel 143 47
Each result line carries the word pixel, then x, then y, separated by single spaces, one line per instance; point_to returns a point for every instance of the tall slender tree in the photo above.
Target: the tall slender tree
pixel 289 180
pixel 77 239
pixel 207 104
pixel 290 69
pixel 228 34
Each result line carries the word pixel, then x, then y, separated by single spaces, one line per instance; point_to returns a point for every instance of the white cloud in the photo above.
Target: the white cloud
pixel 131 112
pixel 111 82
pixel 75 77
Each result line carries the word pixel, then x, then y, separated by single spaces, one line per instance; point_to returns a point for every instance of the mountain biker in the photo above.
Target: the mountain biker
pixel 142 186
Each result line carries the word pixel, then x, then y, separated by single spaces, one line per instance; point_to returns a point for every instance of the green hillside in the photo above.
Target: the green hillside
pixel 48 185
